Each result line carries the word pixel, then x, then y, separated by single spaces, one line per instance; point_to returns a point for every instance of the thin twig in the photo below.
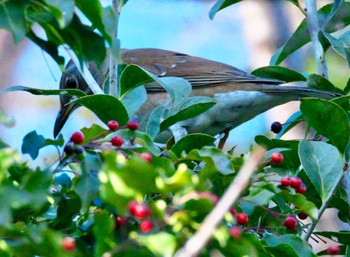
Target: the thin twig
pixel 114 54
pixel 314 29
pixel 196 243
pixel 84 71
pixel 323 207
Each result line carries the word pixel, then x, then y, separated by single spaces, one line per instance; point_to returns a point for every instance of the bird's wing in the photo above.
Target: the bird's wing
pixel 198 71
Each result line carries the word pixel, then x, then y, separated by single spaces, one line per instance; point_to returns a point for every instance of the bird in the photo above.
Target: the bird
pixel 240 96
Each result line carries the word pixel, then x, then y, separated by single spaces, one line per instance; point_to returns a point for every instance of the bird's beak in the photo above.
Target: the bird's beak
pixel 62 117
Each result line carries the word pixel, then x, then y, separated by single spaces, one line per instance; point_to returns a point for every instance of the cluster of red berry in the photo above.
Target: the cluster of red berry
pixel 294 182
pixel 141 211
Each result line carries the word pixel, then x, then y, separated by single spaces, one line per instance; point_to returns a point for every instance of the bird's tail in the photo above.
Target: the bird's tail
pixel 300 92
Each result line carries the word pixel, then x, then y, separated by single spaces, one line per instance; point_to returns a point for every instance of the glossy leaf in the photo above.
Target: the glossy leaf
pixel 93 10
pixel 287 245
pixel 103 230
pixel 63 11
pixel 153 124
pixel 301 203
pixel 322 164
pixel 141 140
pixel 319 82
pixel 280 73
pixel 219 5
pixel 38 91
pixel 192 141
pixel 90 166
pixel 161 244
pixel 105 107
pixel 322 115
pixel 301 36
pixel 190 108
pixel 215 160
pixel 129 102
pixel 12 18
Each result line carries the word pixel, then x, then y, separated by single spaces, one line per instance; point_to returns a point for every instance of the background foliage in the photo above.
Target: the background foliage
pixel 87 196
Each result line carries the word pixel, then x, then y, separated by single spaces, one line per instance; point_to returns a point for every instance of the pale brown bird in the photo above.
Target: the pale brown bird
pixel 240 96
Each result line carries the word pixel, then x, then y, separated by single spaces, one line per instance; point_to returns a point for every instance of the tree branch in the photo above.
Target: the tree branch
pixel 194 245
pixel 314 29
pixel 114 54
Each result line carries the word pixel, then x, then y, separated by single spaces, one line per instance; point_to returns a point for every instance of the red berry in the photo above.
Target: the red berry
pixel 290 222
pixel 302 215
pixel 233 211
pixel 120 221
pixel 301 189
pixel 113 125
pixel 242 218
pixel 77 137
pixel 277 158
pixel 146 156
pixel 276 127
pixel 334 249
pixel 139 210
pixel 117 141
pixel 295 182
pixel 213 198
pixel 146 226
pixel 285 181
pixel 132 124
pixel 132 206
pixel 68 244
pixel 235 232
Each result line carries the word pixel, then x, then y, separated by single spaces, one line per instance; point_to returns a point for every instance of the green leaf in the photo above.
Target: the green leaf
pixel 87 184
pixel 63 11
pixel 105 107
pixel 215 160
pixel 160 244
pixel 141 141
pixel 12 18
pixel 55 142
pixel 32 143
pixel 291 158
pixel 132 77
pixel 287 246
pixel 93 10
pixel 68 207
pixel 278 72
pixel 124 179
pixel 219 5
pixel 328 119
pixel 192 141
pixel 319 82
pixel 103 231
pixel 38 91
pixel 341 45
pixel 323 165
pixel 301 36
pixel 153 124
pixel 92 132
pixel 341 237
pixel 190 108
pixel 129 102
pixel 301 203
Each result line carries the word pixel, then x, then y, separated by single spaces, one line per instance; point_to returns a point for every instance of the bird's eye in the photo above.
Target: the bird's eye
pixel 71 83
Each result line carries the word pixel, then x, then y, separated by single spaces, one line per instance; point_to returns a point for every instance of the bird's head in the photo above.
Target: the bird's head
pixel 72 79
